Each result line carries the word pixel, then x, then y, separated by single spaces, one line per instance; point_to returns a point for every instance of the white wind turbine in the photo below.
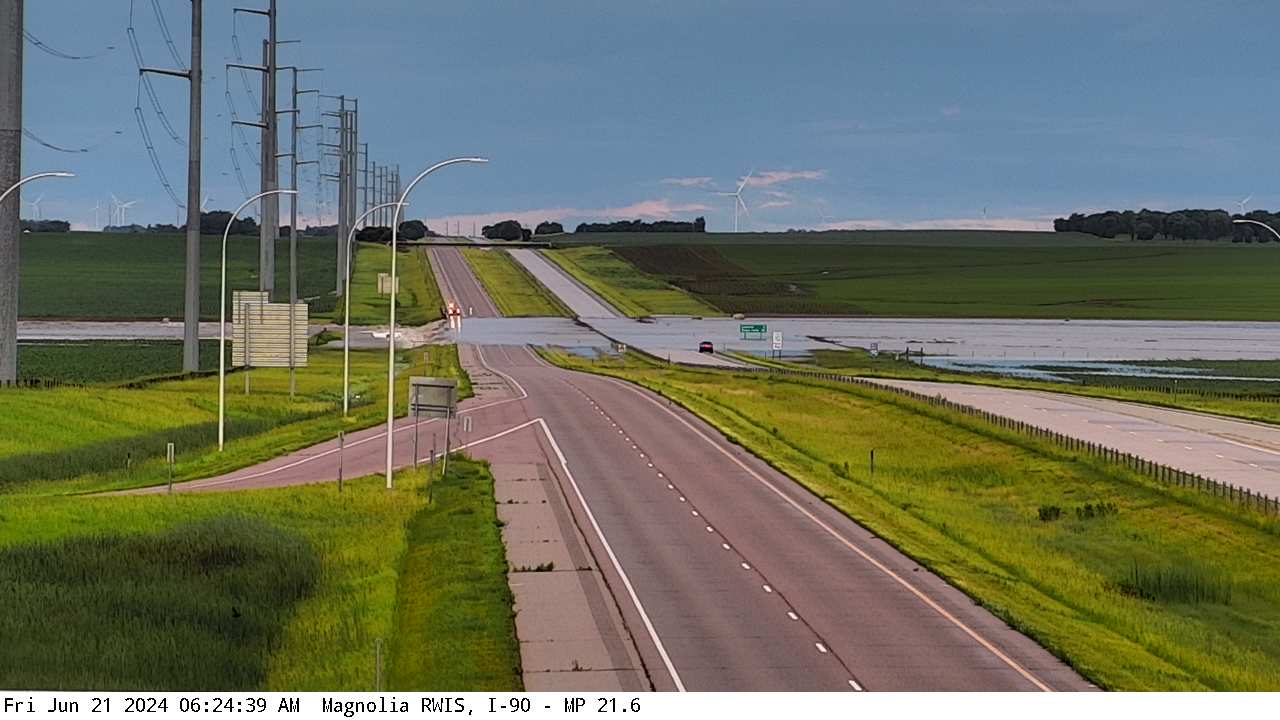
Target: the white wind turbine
pixel 97 208
pixel 737 200
pixel 121 210
pixel 1244 202
pixel 35 206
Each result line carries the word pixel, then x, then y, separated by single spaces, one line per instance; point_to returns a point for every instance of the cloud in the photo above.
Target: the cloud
pixel 943 224
pixel 644 210
pixel 689 182
pixel 766 178
pixel 773 204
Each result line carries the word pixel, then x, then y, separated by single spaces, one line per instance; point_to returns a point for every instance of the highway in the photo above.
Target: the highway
pixel 727 574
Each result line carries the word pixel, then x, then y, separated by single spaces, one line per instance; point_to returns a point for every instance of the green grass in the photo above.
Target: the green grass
pixel 454 608
pixel 513 289
pixel 1069 279
pixel 106 361
pixel 123 276
pixel 979 238
pixel 135 592
pixel 419 301
pixel 67 440
pixel 1248 401
pixel 633 293
pixel 966 498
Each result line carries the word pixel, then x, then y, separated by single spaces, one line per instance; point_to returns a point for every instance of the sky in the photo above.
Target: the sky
pixel 981 113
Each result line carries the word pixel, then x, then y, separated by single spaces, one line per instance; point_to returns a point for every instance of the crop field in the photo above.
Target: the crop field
pixel 1037 280
pixel 419 301
pixel 66 439
pixel 951 238
pixel 1140 586
pixel 106 361
pixel 633 293
pixel 133 276
pixel 282 590
pixel 513 289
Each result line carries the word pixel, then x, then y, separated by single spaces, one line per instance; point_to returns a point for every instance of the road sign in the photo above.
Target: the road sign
pixel 384 284
pixel 753 332
pixel 260 331
pixel 874 349
pixel 777 340
pixel 433 397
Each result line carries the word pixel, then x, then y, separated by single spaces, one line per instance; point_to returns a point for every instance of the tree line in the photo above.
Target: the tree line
pixel 1190 224
pixel 513 230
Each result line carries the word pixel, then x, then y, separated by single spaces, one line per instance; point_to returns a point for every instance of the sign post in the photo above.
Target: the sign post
pixel 435 398
pixel 169 456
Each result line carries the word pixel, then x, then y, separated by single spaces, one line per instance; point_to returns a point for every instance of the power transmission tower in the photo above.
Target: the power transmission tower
pixel 270 180
pixel 10 169
pixel 294 128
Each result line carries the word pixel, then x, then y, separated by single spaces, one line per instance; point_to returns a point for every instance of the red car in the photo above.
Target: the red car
pixel 706 347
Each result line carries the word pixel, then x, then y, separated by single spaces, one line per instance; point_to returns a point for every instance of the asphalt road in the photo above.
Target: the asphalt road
pixel 729 575
pixel 458 284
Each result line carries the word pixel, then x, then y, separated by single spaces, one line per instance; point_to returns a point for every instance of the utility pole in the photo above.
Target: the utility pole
pixel 270 215
pixel 364 190
pixel 341 177
pixel 10 173
pixel 294 128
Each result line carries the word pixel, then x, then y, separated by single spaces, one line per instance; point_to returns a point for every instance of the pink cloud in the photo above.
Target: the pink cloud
pixel 773 204
pixel 1031 224
pixel 766 178
pixel 689 182
pixel 644 210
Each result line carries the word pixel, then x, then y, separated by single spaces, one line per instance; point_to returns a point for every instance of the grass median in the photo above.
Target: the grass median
pixel 513 289
pixel 284 590
pixel 1139 586
pixel 632 292
pixel 419 301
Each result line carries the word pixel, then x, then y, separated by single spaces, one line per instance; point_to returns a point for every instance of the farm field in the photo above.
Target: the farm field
pixel 513 289
pixel 106 361
pixel 67 440
pixel 419 301
pixel 954 238
pixel 1258 401
pixel 635 294
pixel 1104 567
pixel 1070 279
pixel 290 589
pixel 105 276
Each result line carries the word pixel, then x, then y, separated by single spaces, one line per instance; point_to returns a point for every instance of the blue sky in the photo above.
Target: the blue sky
pixel 852 114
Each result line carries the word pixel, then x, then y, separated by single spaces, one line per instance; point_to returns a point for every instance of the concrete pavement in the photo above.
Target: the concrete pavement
pixel 580 300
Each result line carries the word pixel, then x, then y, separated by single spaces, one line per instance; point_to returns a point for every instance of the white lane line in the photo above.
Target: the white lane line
pixel 745 566
pixel 682 498
pixel 792 615
pixel 617 566
pixel 767 588
pixel 710 529
pixel 821 648
pixel 933 604
pixel 670 486
pixel 1220 457
pixel 695 513
pixel 855 686
pixel 725 546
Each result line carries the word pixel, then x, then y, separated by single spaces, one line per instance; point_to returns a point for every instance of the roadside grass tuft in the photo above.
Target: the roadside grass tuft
pixel 1187 583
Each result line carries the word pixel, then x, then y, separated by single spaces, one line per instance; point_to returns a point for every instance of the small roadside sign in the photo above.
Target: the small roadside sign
pixel 777 340
pixel 874 350
pixel 432 397
pixel 753 331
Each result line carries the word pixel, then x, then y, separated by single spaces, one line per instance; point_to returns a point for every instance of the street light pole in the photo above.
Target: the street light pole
pixel 346 314
pixel 222 314
pixel 1262 224
pixel 391 334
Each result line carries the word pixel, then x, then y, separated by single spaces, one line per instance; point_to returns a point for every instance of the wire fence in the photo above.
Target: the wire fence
pixel 1242 497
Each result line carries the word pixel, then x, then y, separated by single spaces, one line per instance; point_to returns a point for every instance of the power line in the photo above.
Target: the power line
pixel 151 148
pixel 168 39
pixel 28 134
pixel 146 82
pixel 60 54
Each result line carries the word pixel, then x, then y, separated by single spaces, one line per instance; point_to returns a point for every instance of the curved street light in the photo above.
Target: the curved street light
pixel 391 335
pixel 346 312
pixel 37 176
pixel 222 314
pixel 1255 222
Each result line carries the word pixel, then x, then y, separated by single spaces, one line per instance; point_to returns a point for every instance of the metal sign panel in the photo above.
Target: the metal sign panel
pixel 777 340
pixel 384 284
pixel 432 397
pixel 260 331
pixel 875 349
pixel 753 332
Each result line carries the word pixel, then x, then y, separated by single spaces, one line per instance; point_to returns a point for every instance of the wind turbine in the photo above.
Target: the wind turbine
pixel 122 210
pixel 737 200
pixel 97 207
pixel 35 206
pixel 1244 202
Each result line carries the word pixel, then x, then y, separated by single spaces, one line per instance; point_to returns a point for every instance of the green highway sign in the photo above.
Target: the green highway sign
pixel 756 331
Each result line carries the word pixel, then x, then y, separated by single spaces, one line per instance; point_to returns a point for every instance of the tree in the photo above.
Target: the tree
pixel 1145 231
pixel 548 228
pixel 505 230
pixel 413 230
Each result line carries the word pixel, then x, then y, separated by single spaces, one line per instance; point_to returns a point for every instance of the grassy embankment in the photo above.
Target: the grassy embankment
pixel 106 361
pixel 633 293
pixel 283 590
pixel 121 276
pixel 1138 585
pixel 1241 399
pixel 419 301
pixel 67 440
pixel 513 289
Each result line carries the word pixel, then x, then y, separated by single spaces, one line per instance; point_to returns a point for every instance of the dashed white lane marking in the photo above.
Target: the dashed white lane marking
pixel 670 486
pixel 1220 457
pixel 682 498
pixel 767 588
pixel 1186 447
pixel 725 546
pixel 695 513
pixel 745 566
pixel 650 464
pixel 792 615
pixel 661 475
pixel 1253 464
pixel 821 648
pixel 855 686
